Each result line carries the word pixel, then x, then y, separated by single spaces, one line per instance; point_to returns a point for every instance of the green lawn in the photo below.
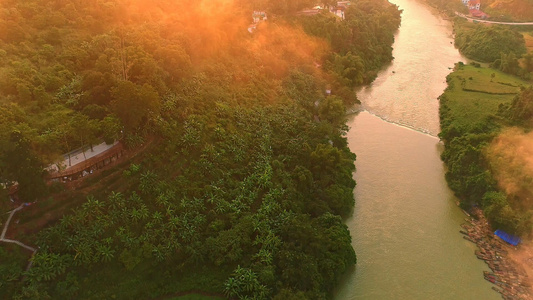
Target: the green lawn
pixel 481 80
pixel 474 95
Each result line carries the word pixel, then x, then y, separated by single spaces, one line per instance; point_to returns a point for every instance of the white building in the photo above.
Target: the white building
pixel 340 8
pixel 259 16
pixel 472 4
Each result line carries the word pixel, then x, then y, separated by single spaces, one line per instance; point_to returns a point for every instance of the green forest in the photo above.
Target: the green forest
pixel 242 174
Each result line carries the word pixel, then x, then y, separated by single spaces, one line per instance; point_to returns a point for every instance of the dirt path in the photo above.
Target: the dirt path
pixel 4 231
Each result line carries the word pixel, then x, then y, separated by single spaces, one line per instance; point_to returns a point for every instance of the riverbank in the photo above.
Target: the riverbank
pixel 472 115
pixel 511 279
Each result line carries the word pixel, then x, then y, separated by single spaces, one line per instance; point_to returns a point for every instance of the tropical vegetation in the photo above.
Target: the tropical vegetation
pixel 245 172
pixel 475 111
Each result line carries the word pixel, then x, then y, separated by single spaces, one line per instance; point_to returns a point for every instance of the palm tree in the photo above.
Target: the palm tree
pixel 135 214
pixel 93 206
pixel 162 200
pixel 232 288
pixel 174 223
pixel 158 253
pixel 135 198
pixel 67 221
pixel 97 229
pixel 84 254
pixel 105 252
pixel 221 207
pixel 143 211
pixel 43 262
pixel 264 256
pixel 157 217
pixel 170 211
pixel 116 200
pixel 147 182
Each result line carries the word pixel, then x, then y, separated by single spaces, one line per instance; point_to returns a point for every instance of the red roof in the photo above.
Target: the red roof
pixel 478 14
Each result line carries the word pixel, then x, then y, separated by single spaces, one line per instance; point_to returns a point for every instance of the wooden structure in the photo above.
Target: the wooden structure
pixel 88 166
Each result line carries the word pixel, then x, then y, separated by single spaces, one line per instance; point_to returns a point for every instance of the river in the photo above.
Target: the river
pixel 405 225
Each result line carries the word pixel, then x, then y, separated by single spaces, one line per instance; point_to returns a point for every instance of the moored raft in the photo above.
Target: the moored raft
pixel 508 281
pixel 469 239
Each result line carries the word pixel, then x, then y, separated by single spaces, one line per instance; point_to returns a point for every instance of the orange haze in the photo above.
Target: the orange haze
pixel 511 159
pixel 213 29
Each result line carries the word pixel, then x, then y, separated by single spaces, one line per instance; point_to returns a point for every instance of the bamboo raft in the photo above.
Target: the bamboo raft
pixel 511 283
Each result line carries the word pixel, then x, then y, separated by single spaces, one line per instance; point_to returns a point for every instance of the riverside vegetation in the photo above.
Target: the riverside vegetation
pixel 477 106
pixel 485 110
pixel 503 47
pixel 246 171
pixel 485 116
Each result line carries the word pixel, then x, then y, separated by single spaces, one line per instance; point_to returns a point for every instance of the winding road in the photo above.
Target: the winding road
pixel 492 22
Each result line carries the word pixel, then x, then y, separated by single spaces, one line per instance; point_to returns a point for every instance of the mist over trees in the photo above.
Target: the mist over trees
pixel 361 43
pixel 247 172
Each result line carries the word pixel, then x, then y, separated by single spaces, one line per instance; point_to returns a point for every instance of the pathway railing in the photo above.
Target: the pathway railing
pixel 88 166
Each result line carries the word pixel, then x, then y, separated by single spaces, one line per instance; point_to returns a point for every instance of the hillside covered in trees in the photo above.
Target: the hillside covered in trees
pixel 246 171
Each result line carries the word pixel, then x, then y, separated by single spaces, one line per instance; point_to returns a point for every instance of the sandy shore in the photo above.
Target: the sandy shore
pixel 523 258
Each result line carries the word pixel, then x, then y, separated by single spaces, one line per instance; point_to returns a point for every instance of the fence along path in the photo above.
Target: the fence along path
pixel 91 164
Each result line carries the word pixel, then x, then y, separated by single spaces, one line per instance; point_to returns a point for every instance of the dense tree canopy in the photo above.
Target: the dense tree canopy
pixel 22 166
pixel 486 43
pixel 241 191
pixel 361 44
pixel 485 164
pixel 521 110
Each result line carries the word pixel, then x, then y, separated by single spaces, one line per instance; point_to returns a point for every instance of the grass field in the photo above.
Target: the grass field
pixel 474 95
pixel 528 36
pixel 483 84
